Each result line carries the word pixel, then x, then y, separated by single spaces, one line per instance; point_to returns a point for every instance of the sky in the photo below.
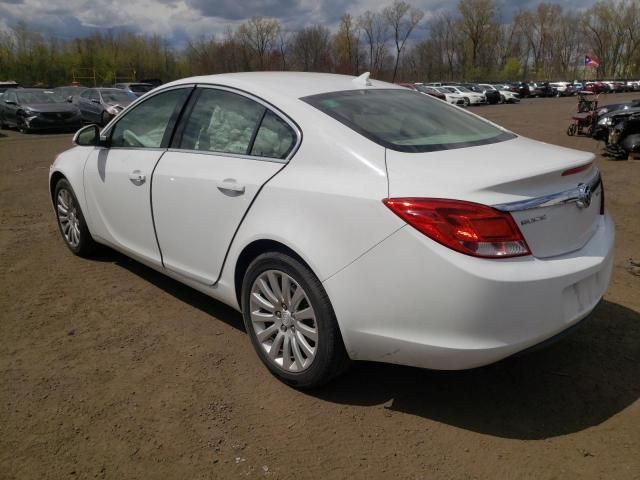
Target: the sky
pixel 178 20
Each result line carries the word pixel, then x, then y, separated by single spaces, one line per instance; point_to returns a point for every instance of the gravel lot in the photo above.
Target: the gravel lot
pixel 110 370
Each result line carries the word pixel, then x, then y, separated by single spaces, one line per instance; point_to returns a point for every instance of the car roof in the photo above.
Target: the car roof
pixel 280 85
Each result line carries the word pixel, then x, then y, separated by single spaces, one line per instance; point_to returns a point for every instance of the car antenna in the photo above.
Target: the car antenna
pixel 362 80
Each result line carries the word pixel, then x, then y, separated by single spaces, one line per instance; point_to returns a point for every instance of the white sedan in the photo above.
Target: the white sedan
pixel 451 97
pixel 348 219
pixel 470 97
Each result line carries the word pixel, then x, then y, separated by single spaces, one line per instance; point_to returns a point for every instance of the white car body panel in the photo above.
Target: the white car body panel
pixel 430 310
pixel 399 296
pixel 196 210
pixel 110 192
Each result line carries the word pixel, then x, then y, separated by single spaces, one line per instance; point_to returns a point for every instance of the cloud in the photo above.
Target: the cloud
pixel 178 20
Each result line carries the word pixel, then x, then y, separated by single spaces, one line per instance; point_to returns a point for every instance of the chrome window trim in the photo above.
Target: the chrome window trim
pixel 572 195
pixel 234 155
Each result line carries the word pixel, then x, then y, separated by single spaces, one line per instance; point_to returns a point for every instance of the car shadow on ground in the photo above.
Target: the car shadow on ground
pixel 178 290
pixel 573 384
pixel 576 383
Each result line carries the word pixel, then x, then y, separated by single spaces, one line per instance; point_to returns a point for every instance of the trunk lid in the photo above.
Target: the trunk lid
pixel 502 174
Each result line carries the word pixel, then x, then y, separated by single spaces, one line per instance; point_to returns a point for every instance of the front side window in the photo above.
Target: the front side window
pixel 407 121
pixel 146 125
pixel 223 122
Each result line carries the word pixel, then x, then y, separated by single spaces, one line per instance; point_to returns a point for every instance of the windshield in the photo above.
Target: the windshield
pixel 442 90
pixel 407 121
pixel 42 96
pixel 140 88
pixel 119 97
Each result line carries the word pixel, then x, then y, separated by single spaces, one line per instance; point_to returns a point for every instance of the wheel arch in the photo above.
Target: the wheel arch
pixel 53 180
pixel 251 251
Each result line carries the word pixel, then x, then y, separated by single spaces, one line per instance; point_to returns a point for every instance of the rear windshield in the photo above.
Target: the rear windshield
pixel 407 121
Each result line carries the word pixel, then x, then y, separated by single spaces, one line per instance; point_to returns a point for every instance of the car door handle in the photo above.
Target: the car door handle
pixel 230 185
pixel 137 177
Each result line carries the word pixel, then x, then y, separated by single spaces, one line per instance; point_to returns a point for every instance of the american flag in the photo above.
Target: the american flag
pixel 591 62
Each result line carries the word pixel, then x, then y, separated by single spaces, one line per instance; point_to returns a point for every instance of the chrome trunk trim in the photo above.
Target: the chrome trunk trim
pixel 581 195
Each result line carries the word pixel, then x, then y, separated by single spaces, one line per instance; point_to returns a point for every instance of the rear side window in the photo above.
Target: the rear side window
pixel 223 122
pixel 274 139
pixel 407 121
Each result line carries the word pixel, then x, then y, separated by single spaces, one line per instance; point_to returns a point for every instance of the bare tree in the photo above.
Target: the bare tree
pixel 376 32
pixel 258 36
pixel 347 45
pixel 311 49
pixel 477 17
pixel 402 19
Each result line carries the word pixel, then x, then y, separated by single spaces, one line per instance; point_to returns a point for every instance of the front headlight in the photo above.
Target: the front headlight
pixel 606 122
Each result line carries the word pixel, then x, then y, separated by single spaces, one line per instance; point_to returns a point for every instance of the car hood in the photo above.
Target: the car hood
pixel 50 107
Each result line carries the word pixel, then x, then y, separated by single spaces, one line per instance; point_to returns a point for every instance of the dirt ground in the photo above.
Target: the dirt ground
pixel 110 370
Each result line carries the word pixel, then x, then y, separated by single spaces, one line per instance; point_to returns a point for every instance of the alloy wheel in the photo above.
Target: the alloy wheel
pixel 283 321
pixel 68 217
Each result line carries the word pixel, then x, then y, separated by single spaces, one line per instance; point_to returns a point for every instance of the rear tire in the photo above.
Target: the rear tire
pixel 571 131
pixel 71 222
pixel 291 322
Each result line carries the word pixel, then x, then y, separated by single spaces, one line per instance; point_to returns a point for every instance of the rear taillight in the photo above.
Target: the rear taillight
pixel 466 227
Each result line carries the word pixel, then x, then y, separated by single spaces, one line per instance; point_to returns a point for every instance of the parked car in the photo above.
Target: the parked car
pixel 452 97
pixel 100 105
pixel 69 92
pixel 473 253
pixel 30 109
pixel 491 95
pixel 563 89
pixel 137 88
pixel 470 97
pixel 507 96
pixel 521 88
pixel 431 91
pixel 597 87
pixel 542 89
pixel 7 85
pixel 624 137
pixel 608 117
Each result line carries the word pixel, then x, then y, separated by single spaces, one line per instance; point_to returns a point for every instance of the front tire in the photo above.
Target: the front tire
pixel 466 101
pixel 71 222
pixel 291 322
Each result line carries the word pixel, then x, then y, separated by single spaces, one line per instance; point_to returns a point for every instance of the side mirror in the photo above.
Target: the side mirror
pixel 88 136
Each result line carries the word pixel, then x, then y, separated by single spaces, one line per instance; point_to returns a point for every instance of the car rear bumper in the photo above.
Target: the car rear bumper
pixel 412 301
